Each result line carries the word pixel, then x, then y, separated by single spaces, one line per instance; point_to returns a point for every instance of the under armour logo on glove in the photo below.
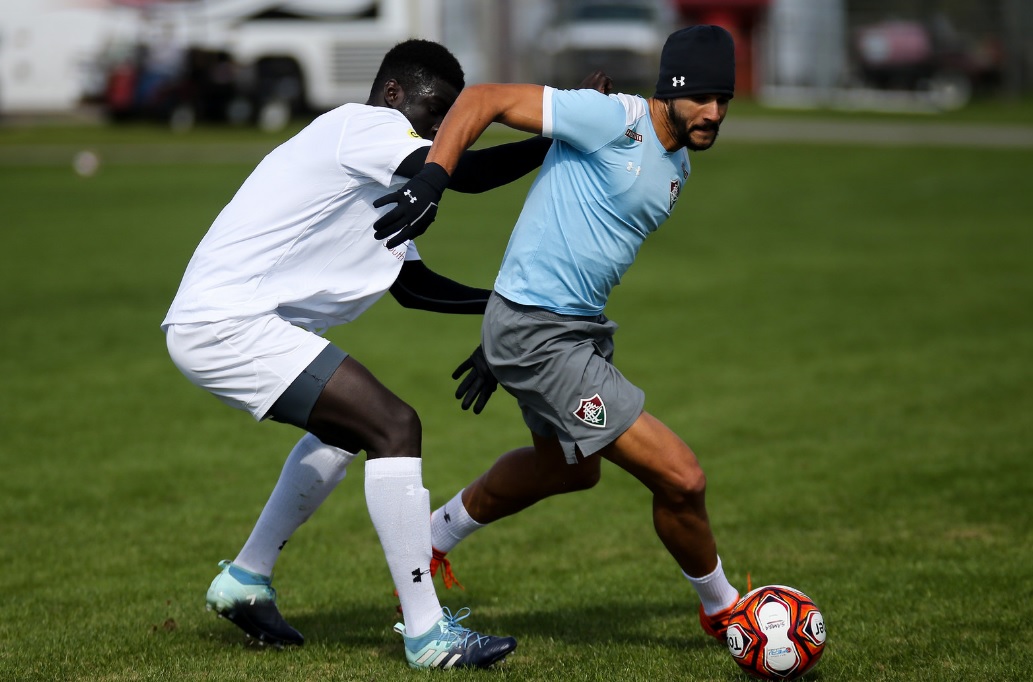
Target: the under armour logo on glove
pixel 678 80
pixel 409 219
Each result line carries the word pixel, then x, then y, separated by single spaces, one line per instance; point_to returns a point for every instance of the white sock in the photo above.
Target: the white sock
pixel 399 506
pixel 450 524
pixel 714 590
pixel 311 472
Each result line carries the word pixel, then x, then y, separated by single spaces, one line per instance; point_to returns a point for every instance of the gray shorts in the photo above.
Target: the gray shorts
pixel 560 369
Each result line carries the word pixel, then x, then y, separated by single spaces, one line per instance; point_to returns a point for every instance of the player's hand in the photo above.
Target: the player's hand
pixel 417 204
pixel 597 80
pixel 478 385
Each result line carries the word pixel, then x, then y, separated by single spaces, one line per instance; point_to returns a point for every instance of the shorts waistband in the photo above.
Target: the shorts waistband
pixel 543 313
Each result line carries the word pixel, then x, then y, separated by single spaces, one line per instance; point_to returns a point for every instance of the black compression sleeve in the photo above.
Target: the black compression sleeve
pixel 421 288
pixel 412 164
pixel 482 169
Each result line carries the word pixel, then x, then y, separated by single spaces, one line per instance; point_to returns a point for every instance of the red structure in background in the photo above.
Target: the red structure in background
pixel 738 17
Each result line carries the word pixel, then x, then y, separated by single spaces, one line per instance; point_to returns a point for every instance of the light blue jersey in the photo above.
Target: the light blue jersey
pixel 604 186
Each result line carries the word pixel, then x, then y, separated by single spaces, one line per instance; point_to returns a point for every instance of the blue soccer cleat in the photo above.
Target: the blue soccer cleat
pixel 248 601
pixel 450 645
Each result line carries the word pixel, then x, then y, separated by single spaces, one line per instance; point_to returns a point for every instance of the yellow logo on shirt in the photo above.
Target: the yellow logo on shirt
pixel 413 133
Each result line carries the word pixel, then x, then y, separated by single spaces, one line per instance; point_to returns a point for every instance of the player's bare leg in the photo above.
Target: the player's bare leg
pixel 523 477
pixel 353 412
pixel 517 480
pixel 355 408
pixel 657 457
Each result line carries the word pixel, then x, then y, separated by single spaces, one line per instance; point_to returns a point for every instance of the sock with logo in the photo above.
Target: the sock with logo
pixel 399 507
pixel 714 590
pixel 312 470
pixel 451 523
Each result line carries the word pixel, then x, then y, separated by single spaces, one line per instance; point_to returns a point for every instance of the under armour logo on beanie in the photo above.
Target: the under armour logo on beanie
pixel 698 60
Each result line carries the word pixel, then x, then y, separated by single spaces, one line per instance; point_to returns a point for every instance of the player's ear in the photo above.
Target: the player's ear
pixel 394 95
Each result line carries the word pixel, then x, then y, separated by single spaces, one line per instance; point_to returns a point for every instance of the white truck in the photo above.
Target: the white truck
pixel 286 55
pixel 297 54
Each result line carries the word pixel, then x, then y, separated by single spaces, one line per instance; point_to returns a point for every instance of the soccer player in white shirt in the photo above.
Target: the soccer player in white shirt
pixel 612 177
pixel 294 253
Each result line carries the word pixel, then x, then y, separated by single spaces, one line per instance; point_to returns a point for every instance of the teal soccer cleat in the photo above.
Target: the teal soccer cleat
pixel 450 645
pixel 248 600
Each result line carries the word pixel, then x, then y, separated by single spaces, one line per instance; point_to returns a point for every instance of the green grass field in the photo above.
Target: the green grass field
pixel 844 336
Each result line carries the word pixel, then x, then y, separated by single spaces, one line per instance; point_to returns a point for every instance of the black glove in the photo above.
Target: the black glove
pixel 417 204
pixel 478 385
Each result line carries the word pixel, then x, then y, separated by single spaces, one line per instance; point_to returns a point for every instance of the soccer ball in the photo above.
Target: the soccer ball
pixel 776 633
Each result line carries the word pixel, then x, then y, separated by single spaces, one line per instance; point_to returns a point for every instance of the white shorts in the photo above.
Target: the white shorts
pixel 246 363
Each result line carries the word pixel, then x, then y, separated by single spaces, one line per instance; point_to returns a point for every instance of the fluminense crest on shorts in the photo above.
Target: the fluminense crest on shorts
pixel 592 411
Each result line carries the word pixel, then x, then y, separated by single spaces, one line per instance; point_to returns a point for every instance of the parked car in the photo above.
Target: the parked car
pixel 929 56
pixel 624 38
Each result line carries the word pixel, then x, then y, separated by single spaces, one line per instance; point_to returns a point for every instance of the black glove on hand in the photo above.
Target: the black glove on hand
pixel 417 204
pixel 478 385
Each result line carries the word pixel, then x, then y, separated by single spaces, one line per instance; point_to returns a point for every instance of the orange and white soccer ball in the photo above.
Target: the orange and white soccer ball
pixel 776 633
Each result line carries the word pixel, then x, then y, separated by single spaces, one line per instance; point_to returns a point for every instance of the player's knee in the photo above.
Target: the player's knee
pixel 398 436
pixel 685 487
pixel 582 478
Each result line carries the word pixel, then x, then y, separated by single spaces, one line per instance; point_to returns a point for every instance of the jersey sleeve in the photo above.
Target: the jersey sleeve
pixel 373 143
pixel 585 119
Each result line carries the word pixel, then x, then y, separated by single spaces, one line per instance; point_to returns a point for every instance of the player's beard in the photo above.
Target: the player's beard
pixel 685 131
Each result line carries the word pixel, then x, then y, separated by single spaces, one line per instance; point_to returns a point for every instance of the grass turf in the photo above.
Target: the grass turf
pixel 844 336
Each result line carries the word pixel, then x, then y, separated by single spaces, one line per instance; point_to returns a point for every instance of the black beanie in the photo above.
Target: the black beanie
pixel 698 60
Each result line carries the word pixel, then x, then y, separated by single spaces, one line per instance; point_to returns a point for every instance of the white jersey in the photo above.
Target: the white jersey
pixel 297 238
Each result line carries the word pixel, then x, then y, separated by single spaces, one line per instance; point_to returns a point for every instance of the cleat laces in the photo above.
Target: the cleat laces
pixel 462 635
pixel 438 561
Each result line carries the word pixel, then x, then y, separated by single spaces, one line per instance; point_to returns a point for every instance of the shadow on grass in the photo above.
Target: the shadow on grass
pixel 663 629
pixel 368 625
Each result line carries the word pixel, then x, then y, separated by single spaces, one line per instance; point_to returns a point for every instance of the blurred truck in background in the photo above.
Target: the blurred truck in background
pixel 189 60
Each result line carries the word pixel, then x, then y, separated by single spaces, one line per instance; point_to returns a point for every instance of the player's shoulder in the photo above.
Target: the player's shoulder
pixel 371 113
pixel 360 117
pixel 634 106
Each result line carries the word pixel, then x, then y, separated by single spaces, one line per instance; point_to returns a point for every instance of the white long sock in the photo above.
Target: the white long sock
pixel 399 507
pixel 311 472
pixel 450 524
pixel 714 590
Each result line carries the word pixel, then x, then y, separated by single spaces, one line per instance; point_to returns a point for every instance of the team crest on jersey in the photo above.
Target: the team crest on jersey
pixel 633 135
pixel 675 189
pixel 592 411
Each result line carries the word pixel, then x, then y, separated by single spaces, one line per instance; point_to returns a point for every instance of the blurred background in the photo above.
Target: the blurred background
pixel 266 62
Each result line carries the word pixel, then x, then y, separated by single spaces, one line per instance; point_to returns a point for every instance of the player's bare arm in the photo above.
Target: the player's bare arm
pixel 518 106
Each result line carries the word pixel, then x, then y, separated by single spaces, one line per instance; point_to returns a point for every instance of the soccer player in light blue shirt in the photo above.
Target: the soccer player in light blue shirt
pixel 612 176
pixel 606 184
